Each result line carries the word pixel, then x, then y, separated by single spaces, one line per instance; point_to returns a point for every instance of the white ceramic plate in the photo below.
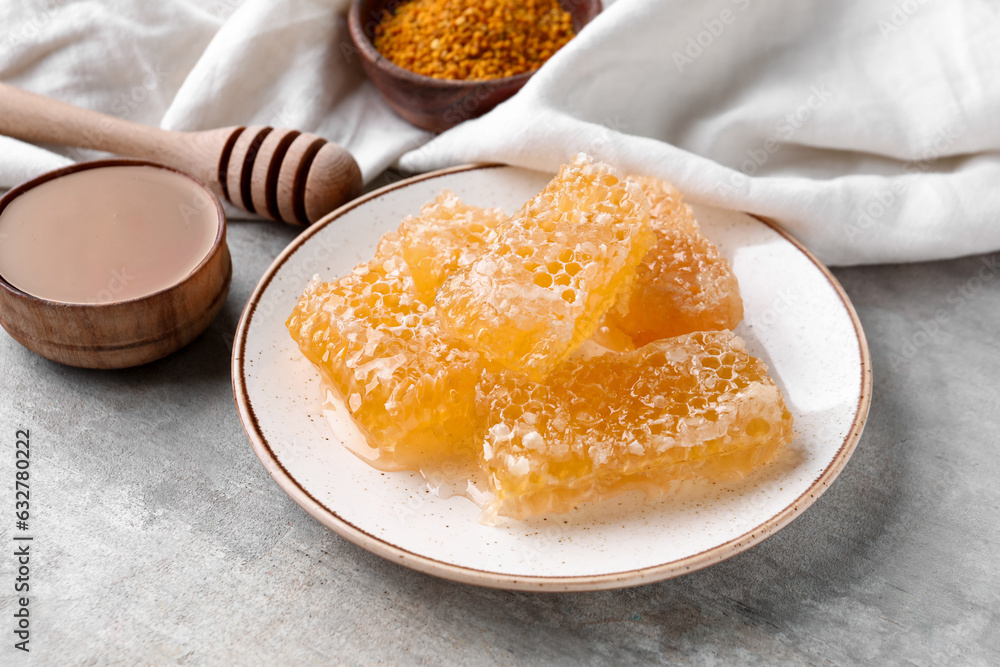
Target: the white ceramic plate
pixel 798 320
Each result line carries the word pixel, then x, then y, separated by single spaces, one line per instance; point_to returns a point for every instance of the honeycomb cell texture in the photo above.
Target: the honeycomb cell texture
pixel 552 271
pixel 408 386
pixel 446 237
pixel 693 406
pixel 683 284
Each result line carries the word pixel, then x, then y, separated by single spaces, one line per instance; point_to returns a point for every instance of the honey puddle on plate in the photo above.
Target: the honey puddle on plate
pixel 444 479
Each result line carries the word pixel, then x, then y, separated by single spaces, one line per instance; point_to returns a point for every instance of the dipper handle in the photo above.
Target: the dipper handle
pixel 283 174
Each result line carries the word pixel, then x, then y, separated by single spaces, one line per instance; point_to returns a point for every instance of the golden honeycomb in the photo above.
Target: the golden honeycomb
pixel 683 283
pixel 691 406
pixel 552 271
pixel 408 386
pixel 666 205
pixel 408 340
pixel 447 236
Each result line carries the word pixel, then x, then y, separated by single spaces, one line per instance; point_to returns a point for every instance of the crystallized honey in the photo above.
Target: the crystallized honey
pixel 409 387
pixel 683 283
pixel 695 405
pixel 446 237
pixel 552 271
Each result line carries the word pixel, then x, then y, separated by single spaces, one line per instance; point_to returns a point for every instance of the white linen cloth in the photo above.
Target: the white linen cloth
pixel 870 129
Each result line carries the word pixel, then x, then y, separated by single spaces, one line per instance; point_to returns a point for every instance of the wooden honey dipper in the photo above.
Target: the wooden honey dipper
pixel 279 173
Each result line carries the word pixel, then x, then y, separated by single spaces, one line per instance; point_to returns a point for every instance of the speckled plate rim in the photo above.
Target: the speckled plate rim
pixel 329 518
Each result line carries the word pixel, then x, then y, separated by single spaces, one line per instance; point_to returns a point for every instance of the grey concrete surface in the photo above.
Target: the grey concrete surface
pixel 160 539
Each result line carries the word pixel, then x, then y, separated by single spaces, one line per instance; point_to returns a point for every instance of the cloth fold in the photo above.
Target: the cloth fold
pixel 868 129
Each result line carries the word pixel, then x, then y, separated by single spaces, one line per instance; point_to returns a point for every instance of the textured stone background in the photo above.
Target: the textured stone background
pixel 161 539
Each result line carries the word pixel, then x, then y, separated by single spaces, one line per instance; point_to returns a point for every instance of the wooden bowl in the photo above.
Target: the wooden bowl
pixel 119 334
pixel 437 104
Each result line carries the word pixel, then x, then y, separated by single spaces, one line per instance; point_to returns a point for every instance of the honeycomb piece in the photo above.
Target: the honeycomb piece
pixel 390 245
pixel 683 283
pixel 447 236
pixel 693 406
pixel 410 388
pixel 552 271
pixel 667 209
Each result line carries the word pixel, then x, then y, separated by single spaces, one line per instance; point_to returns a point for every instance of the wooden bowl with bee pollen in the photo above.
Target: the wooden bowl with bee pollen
pixel 427 102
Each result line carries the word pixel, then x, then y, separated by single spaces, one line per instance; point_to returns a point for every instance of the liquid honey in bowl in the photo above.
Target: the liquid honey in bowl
pixel 112 263
pixel 106 235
